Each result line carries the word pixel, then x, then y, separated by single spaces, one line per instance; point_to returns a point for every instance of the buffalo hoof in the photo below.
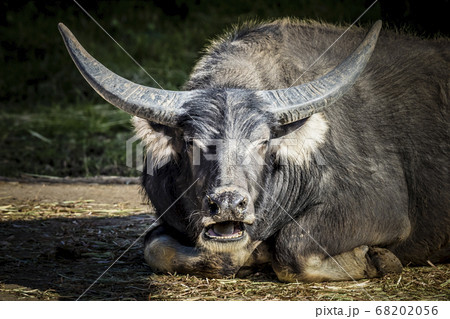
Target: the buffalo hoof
pixel 384 261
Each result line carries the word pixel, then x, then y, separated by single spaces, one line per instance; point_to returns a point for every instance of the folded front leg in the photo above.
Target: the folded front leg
pixel 361 262
pixel 164 253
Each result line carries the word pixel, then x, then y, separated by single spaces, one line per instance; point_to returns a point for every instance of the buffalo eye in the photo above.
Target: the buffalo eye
pixel 189 143
pixel 263 144
pixel 212 149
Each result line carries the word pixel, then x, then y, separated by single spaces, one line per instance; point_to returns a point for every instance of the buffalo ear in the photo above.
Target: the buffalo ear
pixel 282 130
pixel 175 134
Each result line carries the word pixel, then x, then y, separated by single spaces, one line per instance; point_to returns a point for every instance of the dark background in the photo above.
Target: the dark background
pixel 53 123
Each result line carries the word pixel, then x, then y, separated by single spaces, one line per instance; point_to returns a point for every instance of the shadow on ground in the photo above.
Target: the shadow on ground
pixel 62 257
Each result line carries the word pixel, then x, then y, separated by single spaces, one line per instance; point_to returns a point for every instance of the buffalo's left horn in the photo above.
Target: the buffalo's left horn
pixel 159 106
pixel 299 102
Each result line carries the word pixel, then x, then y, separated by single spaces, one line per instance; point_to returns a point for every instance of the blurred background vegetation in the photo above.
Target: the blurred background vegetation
pixel 51 121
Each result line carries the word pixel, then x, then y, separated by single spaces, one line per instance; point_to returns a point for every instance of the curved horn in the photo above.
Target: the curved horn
pixel 299 102
pixel 160 106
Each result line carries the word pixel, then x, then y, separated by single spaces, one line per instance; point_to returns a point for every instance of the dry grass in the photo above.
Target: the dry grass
pixel 55 250
pixel 414 284
pixel 66 209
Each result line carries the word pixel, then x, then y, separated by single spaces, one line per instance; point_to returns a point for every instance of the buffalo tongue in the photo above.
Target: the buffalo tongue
pixel 224 229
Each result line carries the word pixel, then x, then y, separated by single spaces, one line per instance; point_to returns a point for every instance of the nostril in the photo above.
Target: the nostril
pixel 213 208
pixel 242 204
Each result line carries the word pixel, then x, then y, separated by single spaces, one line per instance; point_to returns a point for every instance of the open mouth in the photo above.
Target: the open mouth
pixel 225 231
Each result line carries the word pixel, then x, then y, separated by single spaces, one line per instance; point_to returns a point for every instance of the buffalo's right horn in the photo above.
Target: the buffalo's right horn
pixel 299 102
pixel 159 106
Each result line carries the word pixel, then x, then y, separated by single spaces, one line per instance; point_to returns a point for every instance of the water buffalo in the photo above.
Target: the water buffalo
pixel 327 166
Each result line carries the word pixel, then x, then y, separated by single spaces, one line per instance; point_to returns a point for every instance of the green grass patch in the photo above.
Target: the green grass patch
pixel 74 140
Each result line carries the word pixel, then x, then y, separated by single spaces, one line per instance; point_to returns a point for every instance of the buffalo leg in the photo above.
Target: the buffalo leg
pixel 302 255
pixel 361 262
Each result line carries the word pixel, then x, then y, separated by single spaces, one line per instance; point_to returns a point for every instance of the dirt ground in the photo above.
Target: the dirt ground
pixel 57 239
